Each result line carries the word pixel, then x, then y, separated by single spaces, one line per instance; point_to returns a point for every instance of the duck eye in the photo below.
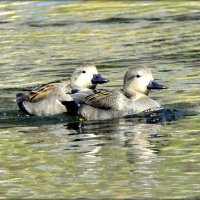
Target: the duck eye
pixel 138 76
pixel 83 71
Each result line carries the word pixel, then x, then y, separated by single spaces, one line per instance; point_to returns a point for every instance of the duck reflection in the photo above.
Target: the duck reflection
pixel 134 134
pixel 131 144
pixel 93 148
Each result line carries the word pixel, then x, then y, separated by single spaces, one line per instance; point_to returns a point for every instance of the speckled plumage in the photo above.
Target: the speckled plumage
pixel 133 99
pixel 47 99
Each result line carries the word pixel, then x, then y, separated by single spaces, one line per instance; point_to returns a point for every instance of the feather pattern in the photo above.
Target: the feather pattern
pixel 106 100
pixel 47 99
pixel 132 99
pixel 37 95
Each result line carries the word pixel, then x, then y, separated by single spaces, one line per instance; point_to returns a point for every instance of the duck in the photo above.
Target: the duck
pixel 133 99
pixel 49 99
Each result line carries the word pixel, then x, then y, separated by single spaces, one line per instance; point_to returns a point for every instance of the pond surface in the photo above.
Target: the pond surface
pixel 56 157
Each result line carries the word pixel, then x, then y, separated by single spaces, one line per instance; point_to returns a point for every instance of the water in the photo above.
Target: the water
pixel 56 157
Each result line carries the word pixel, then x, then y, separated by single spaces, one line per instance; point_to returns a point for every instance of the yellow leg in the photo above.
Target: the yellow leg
pixel 81 119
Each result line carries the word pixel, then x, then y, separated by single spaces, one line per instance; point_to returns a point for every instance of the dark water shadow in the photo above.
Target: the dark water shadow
pixel 160 20
pixel 13 118
pixel 171 113
pixel 162 117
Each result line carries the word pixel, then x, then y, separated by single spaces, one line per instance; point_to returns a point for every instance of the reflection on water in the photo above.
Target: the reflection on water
pixel 52 157
pixel 101 159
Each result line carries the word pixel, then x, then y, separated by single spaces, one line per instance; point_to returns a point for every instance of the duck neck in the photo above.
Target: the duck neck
pixel 92 87
pixel 133 94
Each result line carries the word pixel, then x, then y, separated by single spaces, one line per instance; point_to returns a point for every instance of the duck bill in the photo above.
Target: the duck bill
pixel 98 79
pixel 154 85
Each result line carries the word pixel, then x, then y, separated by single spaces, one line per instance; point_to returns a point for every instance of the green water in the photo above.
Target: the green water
pixel 55 157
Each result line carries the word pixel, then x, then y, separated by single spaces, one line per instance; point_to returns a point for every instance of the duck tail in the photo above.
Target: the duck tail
pixel 20 98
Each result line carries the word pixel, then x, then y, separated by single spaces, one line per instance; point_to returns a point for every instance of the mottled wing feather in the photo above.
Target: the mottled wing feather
pixel 46 90
pixel 100 99
pixel 37 95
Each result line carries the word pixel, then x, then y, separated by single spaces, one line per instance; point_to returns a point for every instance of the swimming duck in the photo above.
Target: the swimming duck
pixel 132 99
pixel 49 98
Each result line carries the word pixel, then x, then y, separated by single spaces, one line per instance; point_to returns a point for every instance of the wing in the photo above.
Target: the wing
pixel 80 96
pixel 59 88
pixel 105 100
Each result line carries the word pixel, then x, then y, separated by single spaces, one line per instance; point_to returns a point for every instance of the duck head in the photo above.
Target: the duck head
pixel 86 77
pixel 140 81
